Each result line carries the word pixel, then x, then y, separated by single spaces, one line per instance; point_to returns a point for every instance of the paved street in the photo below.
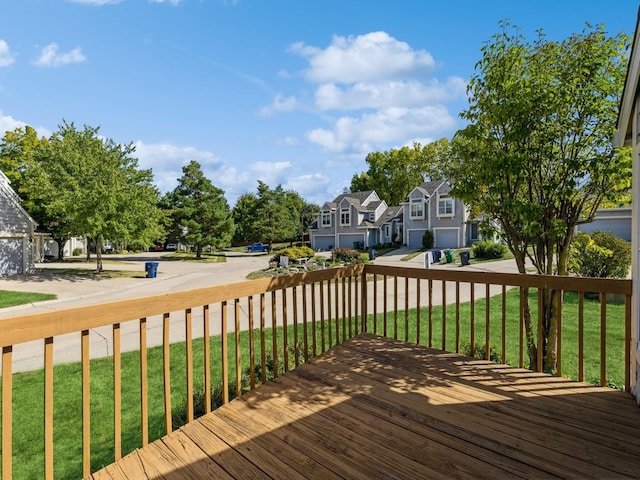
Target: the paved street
pixel 172 276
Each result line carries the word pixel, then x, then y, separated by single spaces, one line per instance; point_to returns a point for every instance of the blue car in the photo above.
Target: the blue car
pixel 259 247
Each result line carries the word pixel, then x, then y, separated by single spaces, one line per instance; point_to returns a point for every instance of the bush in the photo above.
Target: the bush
pixel 346 255
pixel 77 252
pixel 488 249
pixel 600 254
pixel 294 253
pixel 427 239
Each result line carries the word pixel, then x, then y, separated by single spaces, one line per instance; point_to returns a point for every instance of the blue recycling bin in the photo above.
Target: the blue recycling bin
pixel 372 254
pixel 436 255
pixel 151 268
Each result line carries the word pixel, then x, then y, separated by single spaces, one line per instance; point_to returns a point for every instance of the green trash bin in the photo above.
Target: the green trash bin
pixel 449 254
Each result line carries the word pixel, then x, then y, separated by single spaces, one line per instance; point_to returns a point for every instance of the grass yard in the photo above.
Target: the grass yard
pixel 28 427
pixel 11 299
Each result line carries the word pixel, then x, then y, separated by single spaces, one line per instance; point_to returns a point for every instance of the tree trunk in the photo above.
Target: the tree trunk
pixel 99 255
pixel 60 242
pixel 198 252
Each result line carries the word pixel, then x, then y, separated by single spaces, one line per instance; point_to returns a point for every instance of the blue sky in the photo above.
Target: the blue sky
pixel 290 92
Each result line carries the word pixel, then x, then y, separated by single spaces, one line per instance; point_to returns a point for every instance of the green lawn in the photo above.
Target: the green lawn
pixel 11 299
pixel 28 387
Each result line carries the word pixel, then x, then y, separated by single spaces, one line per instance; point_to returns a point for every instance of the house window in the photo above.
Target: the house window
pixel 326 218
pixel 445 206
pixel 417 208
pixel 345 216
pixel 473 235
pixel 386 231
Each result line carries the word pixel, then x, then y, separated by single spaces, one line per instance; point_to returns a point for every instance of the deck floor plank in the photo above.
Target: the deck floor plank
pixel 373 407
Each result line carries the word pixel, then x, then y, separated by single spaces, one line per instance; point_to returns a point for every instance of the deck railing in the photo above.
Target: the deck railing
pixel 261 328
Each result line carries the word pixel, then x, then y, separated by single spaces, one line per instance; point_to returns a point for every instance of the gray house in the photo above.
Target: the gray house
pixel 430 207
pixel 355 219
pixel 17 230
pixel 614 220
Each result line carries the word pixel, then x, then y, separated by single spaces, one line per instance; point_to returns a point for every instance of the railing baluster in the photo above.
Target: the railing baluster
pixel 236 317
pixel 375 304
pixel 559 294
pixel 472 318
pixel 627 343
pixel 305 321
pixel 296 342
pixel 395 307
pixel 206 360
pixel 224 352
pixel 350 311
pixel 322 327
pixel 86 404
pixel 603 339
pixel 344 308
pixel 418 307
pixel 188 335
pixel 430 313
pixel 48 409
pixel 7 411
pixel 384 306
pixel 504 324
pixel 252 348
pixel 521 334
pixel 444 315
pixel 263 342
pixel 314 340
pixel 337 309
pixel 166 372
pixel 581 336
pixel 285 330
pixel 487 333
pixel 144 390
pixel 457 317
pixel 540 327
pixel 406 309
pixel 274 334
pixel 329 313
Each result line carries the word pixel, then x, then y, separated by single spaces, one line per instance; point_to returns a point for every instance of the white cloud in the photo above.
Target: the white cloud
pixel 8 123
pixel 50 57
pixel 376 130
pixel 312 187
pixel 396 93
pixel 363 58
pixel 6 57
pixel 279 104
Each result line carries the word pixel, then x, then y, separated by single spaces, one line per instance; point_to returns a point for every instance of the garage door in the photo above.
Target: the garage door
pixel 11 256
pixel 346 241
pixel 446 238
pixel 415 238
pixel 323 243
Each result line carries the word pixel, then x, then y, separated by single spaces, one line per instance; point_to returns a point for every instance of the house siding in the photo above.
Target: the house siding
pixel 614 220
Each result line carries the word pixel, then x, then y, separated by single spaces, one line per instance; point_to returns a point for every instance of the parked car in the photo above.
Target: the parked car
pixel 259 247
pixel 171 247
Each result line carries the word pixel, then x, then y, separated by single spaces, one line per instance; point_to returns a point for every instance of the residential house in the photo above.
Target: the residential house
pixel 614 220
pixel 362 219
pixel 358 219
pixel 430 206
pixel 17 232
pixel 628 134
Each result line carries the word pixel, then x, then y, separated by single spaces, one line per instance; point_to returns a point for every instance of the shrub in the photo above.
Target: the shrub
pixel 600 254
pixel 77 252
pixel 488 249
pixel 427 239
pixel 294 253
pixel 346 255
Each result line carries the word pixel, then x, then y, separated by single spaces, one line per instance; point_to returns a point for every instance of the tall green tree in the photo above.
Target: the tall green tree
pixel 536 157
pixel 394 173
pixel 200 210
pixel 272 215
pixel 84 185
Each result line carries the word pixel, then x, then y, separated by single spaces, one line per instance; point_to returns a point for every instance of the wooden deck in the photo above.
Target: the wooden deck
pixel 379 408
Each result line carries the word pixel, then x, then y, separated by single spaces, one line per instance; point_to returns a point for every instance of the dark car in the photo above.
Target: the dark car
pixel 259 247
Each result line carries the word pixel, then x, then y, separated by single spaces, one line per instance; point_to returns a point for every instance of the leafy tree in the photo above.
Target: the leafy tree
pixel 200 210
pixel 84 185
pixel 272 215
pixel 600 254
pixel 536 157
pixel 394 173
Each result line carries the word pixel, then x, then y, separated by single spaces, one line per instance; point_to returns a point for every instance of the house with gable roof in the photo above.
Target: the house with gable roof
pixel 17 232
pixel 358 218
